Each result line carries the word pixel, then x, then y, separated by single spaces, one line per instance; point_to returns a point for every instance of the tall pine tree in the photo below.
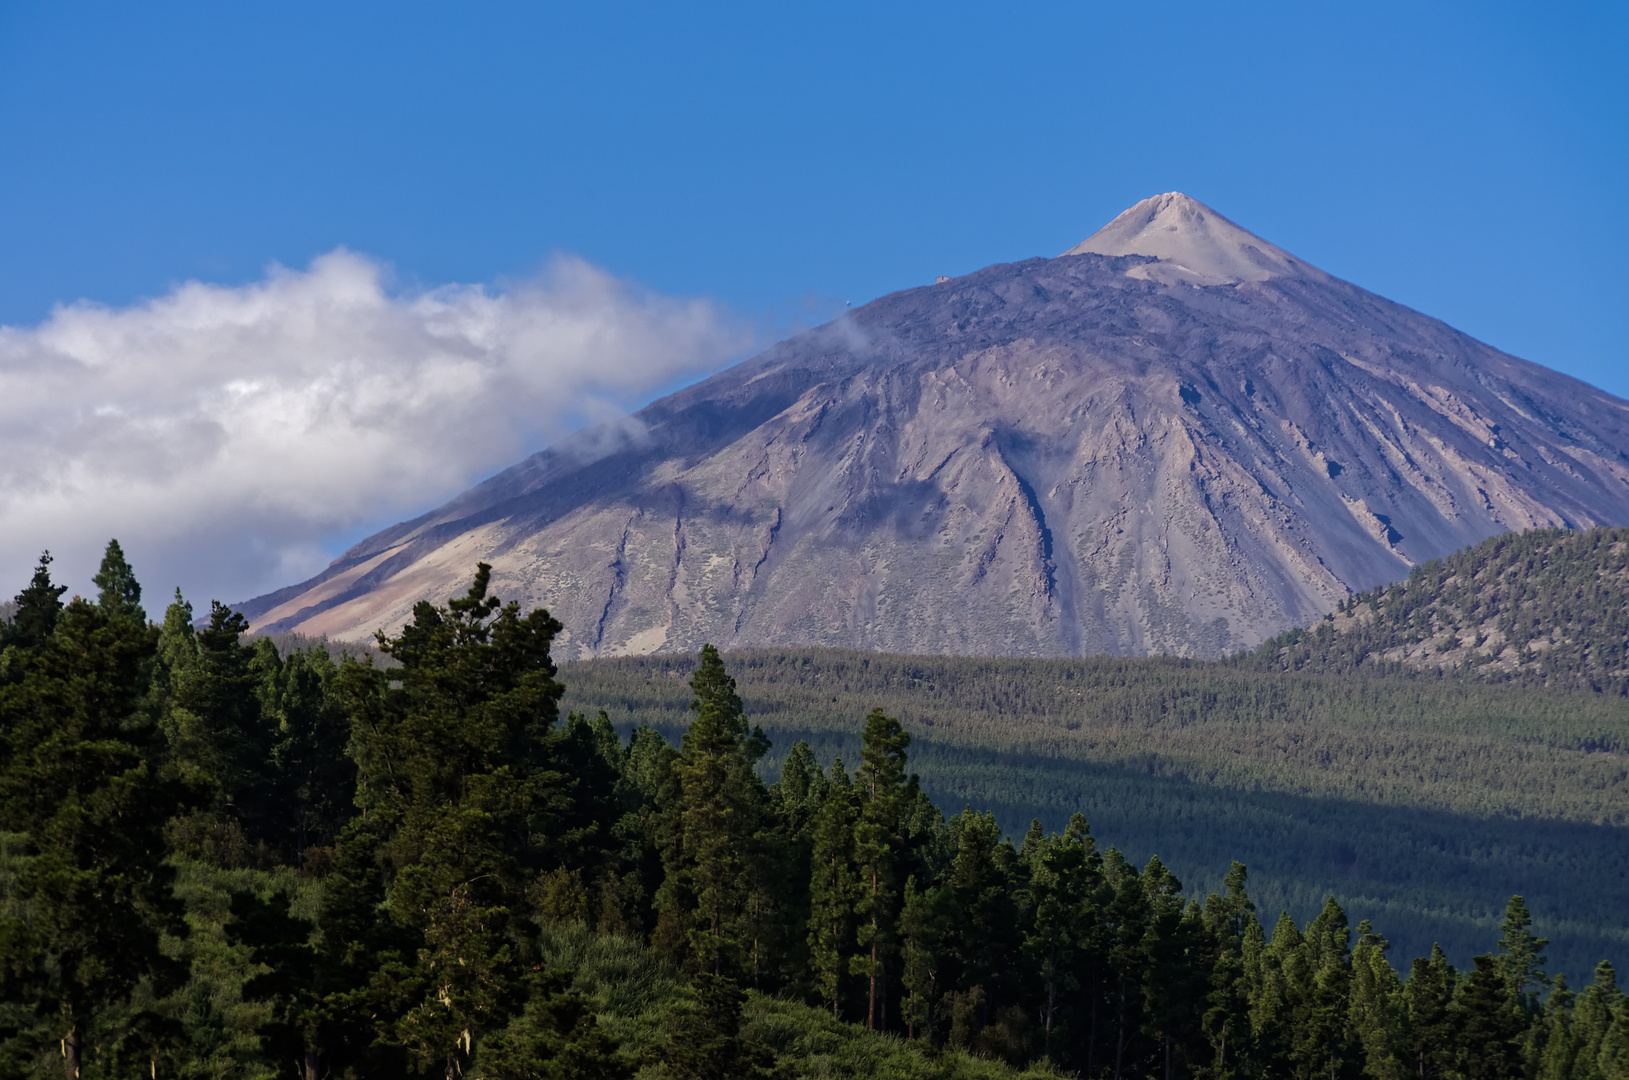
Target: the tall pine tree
pixel 879 838
pixel 716 863
pixel 89 893
pixel 459 802
pixel 834 885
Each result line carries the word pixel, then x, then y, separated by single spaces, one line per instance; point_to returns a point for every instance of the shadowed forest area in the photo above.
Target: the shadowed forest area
pixel 1421 802
pixel 217 859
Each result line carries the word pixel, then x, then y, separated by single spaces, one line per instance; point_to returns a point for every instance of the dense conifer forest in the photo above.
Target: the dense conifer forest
pixel 1422 802
pixel 219 858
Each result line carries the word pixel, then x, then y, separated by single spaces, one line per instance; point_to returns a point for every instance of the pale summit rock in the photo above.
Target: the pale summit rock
pixel 1177 439
pixel 1194 244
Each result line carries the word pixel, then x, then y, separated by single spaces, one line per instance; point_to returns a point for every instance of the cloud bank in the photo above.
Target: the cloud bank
pixel 233 439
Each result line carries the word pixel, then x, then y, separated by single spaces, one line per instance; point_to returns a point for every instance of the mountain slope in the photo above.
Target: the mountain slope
pixel 1545 608
pixel 1186 446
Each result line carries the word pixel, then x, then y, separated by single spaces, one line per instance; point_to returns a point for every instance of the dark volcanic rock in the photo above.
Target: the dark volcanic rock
pixel 1114 453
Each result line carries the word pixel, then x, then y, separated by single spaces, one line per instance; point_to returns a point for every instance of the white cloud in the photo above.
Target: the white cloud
pixel 228 437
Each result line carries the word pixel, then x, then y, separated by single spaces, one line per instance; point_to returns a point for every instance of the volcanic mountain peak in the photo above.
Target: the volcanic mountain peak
pixel 1179 440
pixel 1195 245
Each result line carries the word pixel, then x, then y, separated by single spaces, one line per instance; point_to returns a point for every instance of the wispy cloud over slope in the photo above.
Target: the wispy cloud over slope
pixel 227 436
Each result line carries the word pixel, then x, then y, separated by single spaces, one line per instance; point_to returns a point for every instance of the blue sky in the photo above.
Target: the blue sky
pixel 1469 160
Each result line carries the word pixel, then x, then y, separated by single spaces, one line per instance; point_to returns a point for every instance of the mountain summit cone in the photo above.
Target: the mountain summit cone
pixel 1174 438
pixel 1195 245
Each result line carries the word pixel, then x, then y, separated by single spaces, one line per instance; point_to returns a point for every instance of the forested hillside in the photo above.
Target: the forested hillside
pixel 1543 608
pixel 1421 803
pixel 221 861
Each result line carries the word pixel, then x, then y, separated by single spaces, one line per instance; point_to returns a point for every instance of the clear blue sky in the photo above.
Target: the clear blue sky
pixel 1468 159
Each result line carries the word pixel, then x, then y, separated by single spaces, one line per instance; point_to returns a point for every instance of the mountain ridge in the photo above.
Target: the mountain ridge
pixel 1093 453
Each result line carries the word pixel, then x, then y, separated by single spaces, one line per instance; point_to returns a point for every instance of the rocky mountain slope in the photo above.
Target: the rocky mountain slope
pixel 1175 438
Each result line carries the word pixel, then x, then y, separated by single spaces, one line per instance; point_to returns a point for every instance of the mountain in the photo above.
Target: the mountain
pixel 1546 608
pixel 1175 438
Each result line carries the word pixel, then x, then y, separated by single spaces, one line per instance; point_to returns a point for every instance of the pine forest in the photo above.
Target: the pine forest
pixel 229 856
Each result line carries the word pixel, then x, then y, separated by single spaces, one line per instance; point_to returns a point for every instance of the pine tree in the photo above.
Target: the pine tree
pixel 650 840
pixel 1599 1025
pixel 461 814
pixel 280 943
pixel 1612 1059
pixel 220 689
pixel 1279 983
pixel 458 801
pixel 206 695
pixel 834 885
pixel 925 921
pixel 38 608
pixel 878 841
pixel 312 780
pixel 118 591
pixel 360 977
pixel 1174 974
pixel 1428 994
pixel 89 894
pixel 1320 999
pixel 1065 872
pixel 1558 1058
pixel 1126 918
pixel 1230 920
pixel 718 861
pixel 1375 1014
pixel 797 792
pixel 583 842
pixel 1489 1024
pixel 983 880
pixel 1259 982
pixel 1520 960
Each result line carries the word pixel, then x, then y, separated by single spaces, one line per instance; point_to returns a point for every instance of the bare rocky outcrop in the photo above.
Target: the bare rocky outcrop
pixel 1175 439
